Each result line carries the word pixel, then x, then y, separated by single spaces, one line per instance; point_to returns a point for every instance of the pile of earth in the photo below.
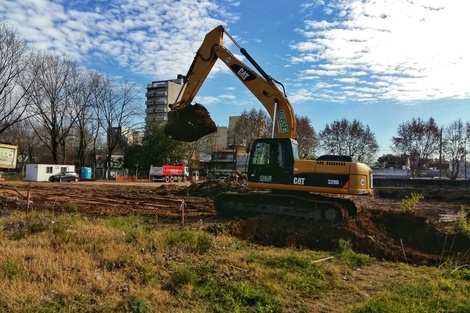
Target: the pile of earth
pixel 212 188
pixel 380 229
pixel 385 235
pixel 189 123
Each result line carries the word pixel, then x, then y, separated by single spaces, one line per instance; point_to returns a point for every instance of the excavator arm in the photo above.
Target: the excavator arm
pixel 187 122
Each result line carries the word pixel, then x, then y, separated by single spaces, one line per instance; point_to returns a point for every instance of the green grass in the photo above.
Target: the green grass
pixel 69 263
pixel 434 292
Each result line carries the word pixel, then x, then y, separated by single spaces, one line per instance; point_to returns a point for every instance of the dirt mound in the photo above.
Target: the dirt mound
pixel 385 235
pixel 212 188
pixel 379 230
pixel 189 123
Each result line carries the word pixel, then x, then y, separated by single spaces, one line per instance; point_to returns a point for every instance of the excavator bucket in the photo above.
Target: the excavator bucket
pixel 190 123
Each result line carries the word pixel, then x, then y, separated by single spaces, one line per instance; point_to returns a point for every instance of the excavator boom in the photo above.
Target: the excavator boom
pixel 262 86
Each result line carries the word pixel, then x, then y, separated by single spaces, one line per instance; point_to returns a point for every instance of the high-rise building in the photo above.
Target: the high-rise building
pixel 159 95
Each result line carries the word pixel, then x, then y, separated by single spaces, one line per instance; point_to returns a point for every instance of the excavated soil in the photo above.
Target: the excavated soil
pixel 379 230
pixel 189 123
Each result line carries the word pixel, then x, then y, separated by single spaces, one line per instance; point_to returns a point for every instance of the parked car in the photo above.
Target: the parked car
pixel 64 176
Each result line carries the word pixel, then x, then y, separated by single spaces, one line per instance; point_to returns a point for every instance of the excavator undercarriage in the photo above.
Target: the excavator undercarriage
pixel 306 206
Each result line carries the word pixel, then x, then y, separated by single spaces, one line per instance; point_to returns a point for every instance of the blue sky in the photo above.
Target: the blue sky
pixel 381 62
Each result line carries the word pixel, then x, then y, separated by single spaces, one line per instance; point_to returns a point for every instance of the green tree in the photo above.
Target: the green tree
pixel 156 149
pixel 391 160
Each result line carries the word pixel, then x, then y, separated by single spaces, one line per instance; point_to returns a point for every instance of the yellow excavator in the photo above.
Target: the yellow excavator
pixel 285 184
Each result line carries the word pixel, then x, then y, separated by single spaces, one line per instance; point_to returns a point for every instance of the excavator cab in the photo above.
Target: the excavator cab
pixel 272 160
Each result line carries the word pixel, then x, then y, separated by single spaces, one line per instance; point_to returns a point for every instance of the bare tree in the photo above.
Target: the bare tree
pixel 419 139
pixel 86 123
pixel 306 137
pixel 467 135
pixel 14 59
pixel 252 125
pixel 454 147
pixel 349 138
pixel 334 137
pixel 116 107
pixel 53 109
pixel 22 135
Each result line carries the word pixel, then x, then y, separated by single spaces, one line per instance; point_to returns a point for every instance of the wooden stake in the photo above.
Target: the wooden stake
pixel 28 196
pixel 324 259
pixel 183 204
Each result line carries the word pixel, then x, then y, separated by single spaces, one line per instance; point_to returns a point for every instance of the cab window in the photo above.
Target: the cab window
pixel 261 153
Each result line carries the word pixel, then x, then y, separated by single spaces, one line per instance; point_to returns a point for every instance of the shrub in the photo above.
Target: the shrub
pixel 71 207
pixel 410 203
pixel 460 225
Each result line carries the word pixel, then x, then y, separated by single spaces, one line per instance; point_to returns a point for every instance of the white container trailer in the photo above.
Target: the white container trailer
pixel 41 172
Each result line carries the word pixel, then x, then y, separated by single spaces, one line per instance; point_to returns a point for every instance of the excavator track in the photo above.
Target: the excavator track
pixel 308 206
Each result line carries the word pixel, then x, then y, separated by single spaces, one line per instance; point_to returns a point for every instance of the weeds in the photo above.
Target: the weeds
pixel 8 269
pixel 240 296
pixel 461 224
pixel 184 277
pixel 24 228
pixel 188 241
pixel 347 256
pixel 70 207
pixel 134 227
pixel 410 203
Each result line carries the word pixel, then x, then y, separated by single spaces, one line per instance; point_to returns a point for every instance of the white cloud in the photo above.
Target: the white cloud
pixel 208 100
pixel 410 50
pixel 154 39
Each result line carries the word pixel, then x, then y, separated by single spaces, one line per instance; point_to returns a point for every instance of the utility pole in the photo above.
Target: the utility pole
pixel 440 154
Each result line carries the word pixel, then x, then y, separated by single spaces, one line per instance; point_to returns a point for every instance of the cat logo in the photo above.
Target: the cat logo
pixel 299 180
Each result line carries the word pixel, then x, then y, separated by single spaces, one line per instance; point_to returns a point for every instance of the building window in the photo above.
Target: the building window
pixel 49 169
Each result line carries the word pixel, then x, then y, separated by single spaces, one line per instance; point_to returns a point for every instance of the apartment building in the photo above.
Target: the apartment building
pixel 159 95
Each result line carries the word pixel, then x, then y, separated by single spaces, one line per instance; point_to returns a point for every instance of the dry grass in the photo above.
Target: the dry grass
pixel 70 263
pixel 77 262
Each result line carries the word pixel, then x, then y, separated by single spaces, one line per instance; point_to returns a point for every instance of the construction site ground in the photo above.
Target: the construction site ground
pixel 380 229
